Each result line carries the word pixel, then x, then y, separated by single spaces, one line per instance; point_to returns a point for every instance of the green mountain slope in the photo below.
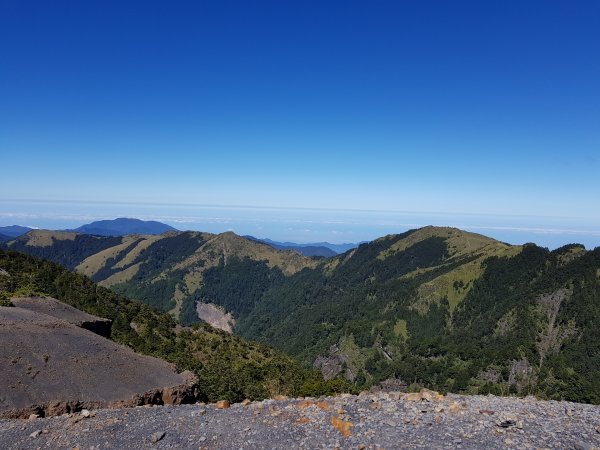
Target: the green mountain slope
pixel 371 299
pixel 447 309
pixel 227 366
pixel 165 271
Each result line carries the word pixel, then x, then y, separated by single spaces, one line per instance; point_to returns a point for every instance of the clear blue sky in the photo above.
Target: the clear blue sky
pixel 451 106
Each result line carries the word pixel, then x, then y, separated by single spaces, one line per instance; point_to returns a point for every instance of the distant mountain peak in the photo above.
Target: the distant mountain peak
pixel 122 226
pixel 13 231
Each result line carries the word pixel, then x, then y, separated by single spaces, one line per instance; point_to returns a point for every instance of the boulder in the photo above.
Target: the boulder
pixel 50 367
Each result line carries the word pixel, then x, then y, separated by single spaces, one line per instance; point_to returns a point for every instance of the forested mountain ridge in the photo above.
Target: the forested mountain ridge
pixel 165 271
pixel 435 306
pixel 447 309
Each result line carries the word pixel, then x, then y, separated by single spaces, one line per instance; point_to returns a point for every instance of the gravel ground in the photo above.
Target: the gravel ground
pixel 380 420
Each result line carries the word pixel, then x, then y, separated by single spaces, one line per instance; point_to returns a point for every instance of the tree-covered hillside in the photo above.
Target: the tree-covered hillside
pixel 62 247
pixel 437 307
pixel 164 271
pixel 524 322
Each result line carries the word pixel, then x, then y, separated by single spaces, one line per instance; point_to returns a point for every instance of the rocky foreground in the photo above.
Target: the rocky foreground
pixel 380 420
pixel 51 363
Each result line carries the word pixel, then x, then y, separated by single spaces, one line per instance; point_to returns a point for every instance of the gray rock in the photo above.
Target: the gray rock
pixel 157 436
pixel 73 368
pixel 312 426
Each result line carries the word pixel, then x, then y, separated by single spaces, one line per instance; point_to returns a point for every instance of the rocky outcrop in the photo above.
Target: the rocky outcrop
pixel 56 308
pixel 49 367
pixel 342 359
pixel 330 365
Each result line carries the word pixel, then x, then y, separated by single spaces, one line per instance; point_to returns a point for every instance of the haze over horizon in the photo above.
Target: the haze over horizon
pixel 304 225
pixel 304 121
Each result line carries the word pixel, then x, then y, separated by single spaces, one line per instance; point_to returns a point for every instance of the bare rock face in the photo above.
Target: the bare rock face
pixel 181 394
pixel 49 367
pixel 215 316
pixel 332 364
pixel 60 310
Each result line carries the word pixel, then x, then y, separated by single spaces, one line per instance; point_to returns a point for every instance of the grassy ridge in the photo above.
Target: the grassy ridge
pixel 165 271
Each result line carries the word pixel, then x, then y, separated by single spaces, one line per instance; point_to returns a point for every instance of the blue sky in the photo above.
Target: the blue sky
pixel 430 106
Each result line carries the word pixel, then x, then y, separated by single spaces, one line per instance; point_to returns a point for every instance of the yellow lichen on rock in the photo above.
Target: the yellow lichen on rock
pixel 342 426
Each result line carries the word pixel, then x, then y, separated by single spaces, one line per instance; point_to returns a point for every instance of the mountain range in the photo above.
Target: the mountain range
pixel 336 248
pixel 164 270
pixel 434 306
pixel 123 226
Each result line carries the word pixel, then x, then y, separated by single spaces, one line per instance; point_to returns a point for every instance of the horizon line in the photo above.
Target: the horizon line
pixel 292 208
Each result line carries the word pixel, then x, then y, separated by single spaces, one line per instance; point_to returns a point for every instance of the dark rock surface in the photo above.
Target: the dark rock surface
pixel 382 420
pixel 60 310
pixel 49 366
